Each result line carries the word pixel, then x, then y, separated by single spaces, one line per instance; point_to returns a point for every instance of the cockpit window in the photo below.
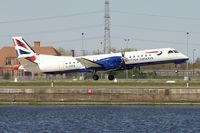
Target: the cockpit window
pixel 169 52
pixel 175 51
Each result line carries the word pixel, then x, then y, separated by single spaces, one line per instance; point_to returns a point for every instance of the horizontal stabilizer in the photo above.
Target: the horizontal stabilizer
pixel 29 65
pixel 88 63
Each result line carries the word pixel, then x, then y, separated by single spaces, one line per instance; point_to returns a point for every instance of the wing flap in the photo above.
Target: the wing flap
pixel 88 63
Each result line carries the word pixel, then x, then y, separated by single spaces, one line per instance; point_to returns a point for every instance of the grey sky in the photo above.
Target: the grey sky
pixel 148 23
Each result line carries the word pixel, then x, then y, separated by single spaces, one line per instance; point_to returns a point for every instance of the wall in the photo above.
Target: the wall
pixel 85 94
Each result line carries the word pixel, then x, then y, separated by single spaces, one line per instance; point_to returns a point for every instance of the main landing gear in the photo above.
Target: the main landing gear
pixel 96 77
pixel 111 77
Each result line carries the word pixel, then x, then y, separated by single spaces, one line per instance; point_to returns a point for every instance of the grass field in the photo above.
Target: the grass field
pixel 133 84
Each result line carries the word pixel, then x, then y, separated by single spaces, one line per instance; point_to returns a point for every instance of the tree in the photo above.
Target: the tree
pixel 128 49
pixel 61 51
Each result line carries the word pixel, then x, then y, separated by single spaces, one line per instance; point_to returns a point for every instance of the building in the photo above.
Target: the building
pixel 8 60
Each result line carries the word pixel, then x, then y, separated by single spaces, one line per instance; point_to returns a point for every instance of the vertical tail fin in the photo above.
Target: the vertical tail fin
pixel 22 47
pixel 23 50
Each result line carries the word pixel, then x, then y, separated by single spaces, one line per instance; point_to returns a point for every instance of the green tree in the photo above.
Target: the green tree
pixel 63 52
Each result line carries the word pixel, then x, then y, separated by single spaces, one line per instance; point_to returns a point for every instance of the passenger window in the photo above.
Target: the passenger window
pixel 129 56
pixel 134 56
pixel 169 52
pixel 141 55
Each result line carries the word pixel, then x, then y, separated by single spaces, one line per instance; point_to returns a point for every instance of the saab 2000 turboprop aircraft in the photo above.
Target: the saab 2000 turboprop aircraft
pixel 39 63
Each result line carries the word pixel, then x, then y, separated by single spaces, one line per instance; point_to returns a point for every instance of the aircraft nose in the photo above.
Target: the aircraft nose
pixel 185 57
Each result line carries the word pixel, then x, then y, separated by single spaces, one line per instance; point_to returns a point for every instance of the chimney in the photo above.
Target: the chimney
pixel 37 44
pixel 72 53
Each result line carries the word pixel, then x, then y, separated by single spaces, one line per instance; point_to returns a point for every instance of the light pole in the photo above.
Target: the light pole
pixel 83 53
pixel 193 62
pixel 187 66
pixel 101 47
pixel 82 48
pixel 126 41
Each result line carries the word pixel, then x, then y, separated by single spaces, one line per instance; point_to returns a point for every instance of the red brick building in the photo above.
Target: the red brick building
pixel 8 59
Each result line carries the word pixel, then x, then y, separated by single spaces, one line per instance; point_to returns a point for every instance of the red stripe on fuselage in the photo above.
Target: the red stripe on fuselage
pixel 151 52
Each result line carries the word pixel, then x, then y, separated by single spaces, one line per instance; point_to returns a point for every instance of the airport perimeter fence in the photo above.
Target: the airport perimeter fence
pixel 123 75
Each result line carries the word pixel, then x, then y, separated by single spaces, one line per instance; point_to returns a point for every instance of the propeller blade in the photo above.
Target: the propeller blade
pixel 123 60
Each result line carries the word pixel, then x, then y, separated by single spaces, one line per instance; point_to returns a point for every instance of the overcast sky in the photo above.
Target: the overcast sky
pixel 59 23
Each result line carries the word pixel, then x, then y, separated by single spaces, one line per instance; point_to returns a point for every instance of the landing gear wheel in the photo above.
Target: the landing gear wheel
pixel 176 71
pixel 95 77
pixel 111 77
pixel 177 68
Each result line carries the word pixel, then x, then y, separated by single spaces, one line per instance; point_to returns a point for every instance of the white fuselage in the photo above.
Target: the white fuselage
pixel 48 63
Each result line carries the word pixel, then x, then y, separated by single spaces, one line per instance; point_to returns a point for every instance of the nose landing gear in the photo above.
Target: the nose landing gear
pixel 177 68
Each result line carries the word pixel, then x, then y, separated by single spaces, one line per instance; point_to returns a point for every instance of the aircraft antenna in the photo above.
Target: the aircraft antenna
pixel 107 42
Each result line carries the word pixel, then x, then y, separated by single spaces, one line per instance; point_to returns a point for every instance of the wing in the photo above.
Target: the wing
pixel 88 63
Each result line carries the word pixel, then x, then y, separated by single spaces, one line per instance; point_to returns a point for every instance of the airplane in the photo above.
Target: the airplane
pixel 49 64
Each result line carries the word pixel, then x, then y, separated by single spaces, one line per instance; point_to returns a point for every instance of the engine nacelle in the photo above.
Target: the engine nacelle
pixel 111 62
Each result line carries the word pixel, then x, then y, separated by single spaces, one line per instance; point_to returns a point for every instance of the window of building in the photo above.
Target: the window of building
pixel 11 61
pixel 8 61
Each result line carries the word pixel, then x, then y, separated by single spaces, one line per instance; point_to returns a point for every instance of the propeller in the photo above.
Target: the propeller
pixel 123 60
